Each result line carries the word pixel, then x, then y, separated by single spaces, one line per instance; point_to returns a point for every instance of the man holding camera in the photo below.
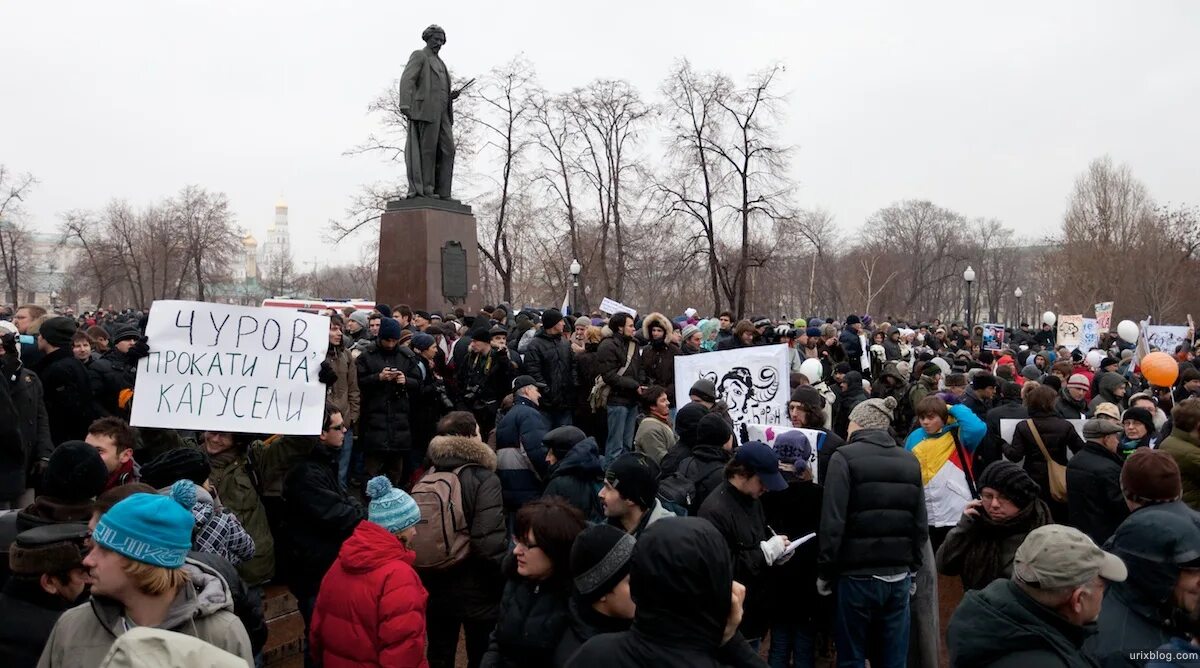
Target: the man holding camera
pixel 486 376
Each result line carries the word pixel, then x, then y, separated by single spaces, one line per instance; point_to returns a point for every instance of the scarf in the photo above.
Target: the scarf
pixel 992 545
pixel 123 474
pixel 223 458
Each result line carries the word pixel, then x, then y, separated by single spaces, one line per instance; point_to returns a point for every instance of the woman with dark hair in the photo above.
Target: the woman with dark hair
pixel 1056 434
pixel 533 610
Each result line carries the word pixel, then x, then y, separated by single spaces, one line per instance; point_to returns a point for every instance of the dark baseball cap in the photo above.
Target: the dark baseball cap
pixel 525 381
pixel 761 458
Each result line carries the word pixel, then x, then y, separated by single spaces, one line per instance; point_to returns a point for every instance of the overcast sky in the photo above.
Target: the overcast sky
pixel 991 109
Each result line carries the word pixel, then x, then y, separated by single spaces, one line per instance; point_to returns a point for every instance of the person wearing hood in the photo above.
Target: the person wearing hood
pixel 735 508
pixel 1044 613
pixel 1057 435
pixel 23 414
pixel 689 605
pixel 601 603
pixel 658 355
pixel 1094 501
pixel 873 536
pixel 576 473
pixel 1112 389
pixel 371 609
pixel 982 546
pixel 466 596
pixel 630 494
pixel 1162 550
pixel 47 578
pixel 1072 400
pixel 891 345
pixel 549 360
pixel 655 435
pixel 704 467
pixel 1184 445
pixel 320 514
pixel 141 576
pixel 794 608
pixel 946 435
pixel 852 394
pixel 1138 426
pixel 537 588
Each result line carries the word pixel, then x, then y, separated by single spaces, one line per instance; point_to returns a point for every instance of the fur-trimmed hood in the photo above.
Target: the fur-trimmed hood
pixel 448 452
pixel 659 319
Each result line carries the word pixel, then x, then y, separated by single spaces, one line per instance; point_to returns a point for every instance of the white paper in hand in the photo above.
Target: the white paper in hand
pixel 797 543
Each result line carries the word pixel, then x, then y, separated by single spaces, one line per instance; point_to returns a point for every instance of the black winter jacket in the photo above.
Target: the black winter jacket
pixel 471 589
pixel 852 345
pixel 383 421
pixel 705 467
pixel 584 623
pixel 1095 504
pixel 828 446
pixel 68 394
pixel 1059 436
pixel 658 361
pixel 550 361
pixel 792 587
pixel 1000 626
pixel 873 518
pixel 680 575
pixel 29 614
pixel 26 432
pixel 577 478
pixel 610 357
pixel 741 520
pixel 320 515
pixel 533 618
pixel 991 449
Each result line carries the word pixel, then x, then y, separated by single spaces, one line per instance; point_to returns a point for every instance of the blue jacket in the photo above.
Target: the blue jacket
pixel 577 478
pixel 524 425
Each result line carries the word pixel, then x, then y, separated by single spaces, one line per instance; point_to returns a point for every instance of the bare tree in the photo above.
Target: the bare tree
pixel 14 237
pixel 211 240
pixel 84 227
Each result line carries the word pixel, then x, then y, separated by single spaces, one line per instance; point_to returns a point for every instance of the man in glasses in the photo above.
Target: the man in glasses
pixel 630 494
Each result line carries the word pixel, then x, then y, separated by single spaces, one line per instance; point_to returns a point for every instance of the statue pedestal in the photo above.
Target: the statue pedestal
pixel 428 256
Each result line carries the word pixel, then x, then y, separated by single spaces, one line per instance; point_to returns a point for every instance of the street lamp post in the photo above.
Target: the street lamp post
pixel 1018 294
pixel 575 269
pixel 969 277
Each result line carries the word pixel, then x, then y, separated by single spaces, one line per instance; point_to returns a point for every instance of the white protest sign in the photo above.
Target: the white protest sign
pixel 1070 330
pixel 232 368
pixel 1009 425
pixel 1104 316
pixel 1167 337
pixel 1089 335
pixel 753 382
pixel 767 433
pixel 613 307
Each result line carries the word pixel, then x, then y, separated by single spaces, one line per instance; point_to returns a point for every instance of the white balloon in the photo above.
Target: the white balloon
pixel 1093 359
pixel 812 370
pixel 1128 331
pixel 1049 318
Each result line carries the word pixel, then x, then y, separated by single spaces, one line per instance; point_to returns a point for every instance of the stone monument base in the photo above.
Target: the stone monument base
pixel 415 235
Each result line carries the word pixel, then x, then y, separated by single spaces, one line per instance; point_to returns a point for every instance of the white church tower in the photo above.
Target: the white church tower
pixel 278 247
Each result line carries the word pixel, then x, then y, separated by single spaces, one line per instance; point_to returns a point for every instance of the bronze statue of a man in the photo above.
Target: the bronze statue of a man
pixel 425 100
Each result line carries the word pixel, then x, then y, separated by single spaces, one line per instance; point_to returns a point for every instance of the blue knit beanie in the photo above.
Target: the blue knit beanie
pixel 149 528
pixel 391 508
pixel 389 328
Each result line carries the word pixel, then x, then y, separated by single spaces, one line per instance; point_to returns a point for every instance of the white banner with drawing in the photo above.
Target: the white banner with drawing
pixel 232 368
pixel 1167 337
pixel 753 382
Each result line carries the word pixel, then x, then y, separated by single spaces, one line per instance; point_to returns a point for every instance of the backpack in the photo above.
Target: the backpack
pixel 444 537
pixel 906 412
pixel 679 490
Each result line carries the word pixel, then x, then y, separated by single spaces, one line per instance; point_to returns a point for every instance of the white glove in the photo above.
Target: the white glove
pixel 773 548
pixel 784 559
pixel 823 587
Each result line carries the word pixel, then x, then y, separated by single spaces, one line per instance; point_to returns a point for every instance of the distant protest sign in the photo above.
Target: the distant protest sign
pixel 1089 335
pixel 753 382
pixel 1070 330
pixel 613 307
pixel 993 336
pixel 1104 316
pixel 1167 337
pixel 217 367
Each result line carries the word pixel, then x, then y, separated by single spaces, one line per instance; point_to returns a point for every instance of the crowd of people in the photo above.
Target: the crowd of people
pixel 527 485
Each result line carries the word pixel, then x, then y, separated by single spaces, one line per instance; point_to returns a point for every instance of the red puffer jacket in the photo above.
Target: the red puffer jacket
pixel 371 607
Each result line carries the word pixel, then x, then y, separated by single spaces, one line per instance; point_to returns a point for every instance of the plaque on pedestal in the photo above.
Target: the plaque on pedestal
pixel 428 255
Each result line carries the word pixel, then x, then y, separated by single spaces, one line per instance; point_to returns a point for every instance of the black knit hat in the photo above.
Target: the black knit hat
pixel 931 370
pixel 124 332
pixel 635 477
pixel 560 440
pixel 75 473
pixel 809 397
pixel 600 558
pixel 983 381
pixel 551 317
pixel 176 464
pixel 1141 415
pixel 713 429
pixel 58 331
pixel 1010 480
pixel 481 334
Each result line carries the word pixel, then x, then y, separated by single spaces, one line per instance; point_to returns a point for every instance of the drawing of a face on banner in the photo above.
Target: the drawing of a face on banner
pixel 747 396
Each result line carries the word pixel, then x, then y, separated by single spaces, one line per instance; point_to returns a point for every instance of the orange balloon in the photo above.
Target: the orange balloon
pixel 1160 369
